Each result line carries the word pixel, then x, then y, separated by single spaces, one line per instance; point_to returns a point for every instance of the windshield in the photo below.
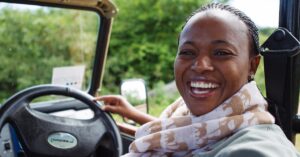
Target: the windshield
pixel 43 45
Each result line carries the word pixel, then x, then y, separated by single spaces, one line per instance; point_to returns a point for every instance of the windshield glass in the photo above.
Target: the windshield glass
pixel 43 45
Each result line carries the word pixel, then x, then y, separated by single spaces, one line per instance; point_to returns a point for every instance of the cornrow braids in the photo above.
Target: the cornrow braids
pixel 252 29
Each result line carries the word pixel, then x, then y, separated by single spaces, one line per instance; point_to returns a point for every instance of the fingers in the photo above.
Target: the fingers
pixel 106 97
pixel 108 100
pixel 108 108
pixel 111 103
pixel 115 104
pixel 117 109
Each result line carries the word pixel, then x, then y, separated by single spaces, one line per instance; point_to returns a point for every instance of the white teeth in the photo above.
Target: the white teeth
pixel 203 85
pixel 200 92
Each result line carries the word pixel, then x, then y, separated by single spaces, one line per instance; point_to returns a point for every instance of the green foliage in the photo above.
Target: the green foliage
pixel 260 78
pixel 34 41
pixel 134 100
pixel 264 33
pixel 161 99
pixel 144 40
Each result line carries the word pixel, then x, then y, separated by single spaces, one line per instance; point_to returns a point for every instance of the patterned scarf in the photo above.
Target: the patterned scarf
pixel 178 133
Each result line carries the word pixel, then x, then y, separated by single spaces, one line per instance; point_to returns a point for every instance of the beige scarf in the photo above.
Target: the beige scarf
pixel 178 133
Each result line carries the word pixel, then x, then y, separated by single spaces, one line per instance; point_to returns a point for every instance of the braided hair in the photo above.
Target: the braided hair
pixel 252 29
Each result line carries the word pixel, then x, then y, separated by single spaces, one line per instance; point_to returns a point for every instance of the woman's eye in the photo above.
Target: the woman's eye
pixel 222 53
pixel 187 53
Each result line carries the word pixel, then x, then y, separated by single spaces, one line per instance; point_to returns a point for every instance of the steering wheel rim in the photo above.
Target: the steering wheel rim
pixel 46 135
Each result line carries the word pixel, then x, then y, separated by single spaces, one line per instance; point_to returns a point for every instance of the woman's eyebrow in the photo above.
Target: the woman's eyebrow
pixel 221 42
pixel 188 43
pixel 185 43
pixel 224 42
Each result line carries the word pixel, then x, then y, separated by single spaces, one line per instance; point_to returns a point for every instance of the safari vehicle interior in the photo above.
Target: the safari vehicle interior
pixel 57 116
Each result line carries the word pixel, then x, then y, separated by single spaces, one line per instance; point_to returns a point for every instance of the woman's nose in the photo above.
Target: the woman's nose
pixel 202 63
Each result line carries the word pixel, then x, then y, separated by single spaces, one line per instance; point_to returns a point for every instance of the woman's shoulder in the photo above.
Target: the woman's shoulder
pixel 262 133
pixel 260 141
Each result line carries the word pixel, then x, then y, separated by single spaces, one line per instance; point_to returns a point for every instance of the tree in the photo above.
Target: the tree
pixel 34 41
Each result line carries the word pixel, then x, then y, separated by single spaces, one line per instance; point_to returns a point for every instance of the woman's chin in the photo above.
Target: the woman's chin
pixel 202 102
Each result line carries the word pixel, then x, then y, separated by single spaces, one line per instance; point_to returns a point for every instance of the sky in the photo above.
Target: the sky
pixel 263 12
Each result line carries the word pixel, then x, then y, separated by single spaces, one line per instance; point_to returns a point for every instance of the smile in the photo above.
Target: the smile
pixel 204 85
pixel 202 89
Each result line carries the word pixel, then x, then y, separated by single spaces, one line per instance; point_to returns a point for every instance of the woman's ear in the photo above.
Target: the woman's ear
pixel 254 62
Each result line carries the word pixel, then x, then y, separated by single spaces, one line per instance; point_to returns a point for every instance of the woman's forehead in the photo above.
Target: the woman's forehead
pixel 215 12
pixel 218 21
pixel 208 27
pixel 217 15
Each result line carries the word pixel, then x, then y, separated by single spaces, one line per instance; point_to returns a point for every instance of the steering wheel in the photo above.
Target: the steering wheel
pixel 44 135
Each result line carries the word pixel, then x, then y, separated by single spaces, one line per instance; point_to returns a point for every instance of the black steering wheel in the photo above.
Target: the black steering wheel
pixel 44 135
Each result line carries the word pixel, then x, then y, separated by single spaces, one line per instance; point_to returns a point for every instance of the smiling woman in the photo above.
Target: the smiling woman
pixel 213 65
pixel 220 109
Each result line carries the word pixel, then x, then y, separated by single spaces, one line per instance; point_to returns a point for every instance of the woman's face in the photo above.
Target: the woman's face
pixel 213 60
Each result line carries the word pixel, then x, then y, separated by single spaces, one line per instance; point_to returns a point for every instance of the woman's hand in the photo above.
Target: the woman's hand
pixel 119 105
